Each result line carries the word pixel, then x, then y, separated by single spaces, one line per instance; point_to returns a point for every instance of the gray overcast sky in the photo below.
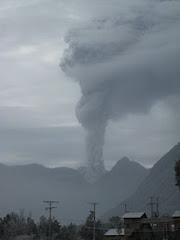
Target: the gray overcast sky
pixel 37 100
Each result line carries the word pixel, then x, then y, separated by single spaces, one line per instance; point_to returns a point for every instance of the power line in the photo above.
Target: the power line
pixel 49 208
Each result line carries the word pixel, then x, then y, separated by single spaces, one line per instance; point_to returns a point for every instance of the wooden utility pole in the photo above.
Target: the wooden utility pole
pixel 49 208
pixel 152 206
pixel 157 207
pixel 125 207
pixel 94 218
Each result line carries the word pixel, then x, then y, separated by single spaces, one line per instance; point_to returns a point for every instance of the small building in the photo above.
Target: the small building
pixel 176 219
pixel 135 227
pixel 176 223
pixel 114 234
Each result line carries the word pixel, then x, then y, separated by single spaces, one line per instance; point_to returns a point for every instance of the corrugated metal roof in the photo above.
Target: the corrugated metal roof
pixel 176 214
pixel 112 232
pixel 133 215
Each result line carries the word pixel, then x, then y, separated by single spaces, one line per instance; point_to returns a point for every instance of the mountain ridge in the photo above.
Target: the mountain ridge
pixel 27 186
pixel 159 183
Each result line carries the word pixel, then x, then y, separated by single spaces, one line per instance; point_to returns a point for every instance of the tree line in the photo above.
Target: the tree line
pixel 16 226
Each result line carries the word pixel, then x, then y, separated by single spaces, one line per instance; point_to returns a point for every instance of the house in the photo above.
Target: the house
pixel 114 234
pixel 135 227
pixel 176 223
pixel 176 219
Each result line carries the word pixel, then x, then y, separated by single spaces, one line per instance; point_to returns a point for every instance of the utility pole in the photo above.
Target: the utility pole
pixel 152 206
pixel 49 208
pixel 125 207
pixel 94 218
pixel 157 207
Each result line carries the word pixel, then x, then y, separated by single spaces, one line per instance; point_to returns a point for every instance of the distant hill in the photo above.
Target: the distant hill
pixel 119 183
pixel 26 187
pixel 159 183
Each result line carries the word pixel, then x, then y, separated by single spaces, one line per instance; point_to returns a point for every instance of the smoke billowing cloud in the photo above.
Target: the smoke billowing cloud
pixel 124 63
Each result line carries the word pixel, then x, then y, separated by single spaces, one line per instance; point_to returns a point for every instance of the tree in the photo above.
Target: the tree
pixel 73 232
pixel 115 222
pixel 55 229
pixel 31 228
pixel 177 173
pixel 15 227
pixel 12 226
pixel 43 228
pixel 86 231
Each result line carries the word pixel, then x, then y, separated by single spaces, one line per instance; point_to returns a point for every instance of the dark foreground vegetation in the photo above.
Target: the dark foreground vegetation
pixel 19 227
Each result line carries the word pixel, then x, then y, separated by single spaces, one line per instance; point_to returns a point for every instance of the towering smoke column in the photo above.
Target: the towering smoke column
pixel 91 112
pixel 124 64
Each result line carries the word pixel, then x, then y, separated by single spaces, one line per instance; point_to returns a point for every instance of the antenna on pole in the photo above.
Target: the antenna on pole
pixel 94 218
pixel 125 207
pixel 49 208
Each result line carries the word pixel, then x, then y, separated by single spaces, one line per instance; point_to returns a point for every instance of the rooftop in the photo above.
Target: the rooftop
pixel 114 232
pixel 134 215
pixel 176 214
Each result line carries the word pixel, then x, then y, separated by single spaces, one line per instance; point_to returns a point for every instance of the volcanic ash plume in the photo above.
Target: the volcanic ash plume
pixel 124 63
pixel 91 112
